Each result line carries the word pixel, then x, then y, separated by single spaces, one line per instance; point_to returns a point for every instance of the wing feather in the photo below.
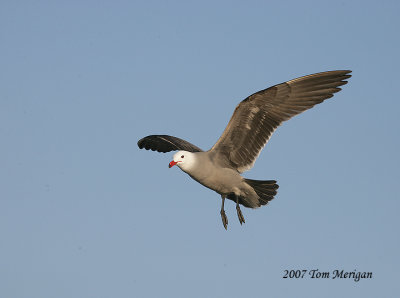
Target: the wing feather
pixel 165 143
pixel 256 117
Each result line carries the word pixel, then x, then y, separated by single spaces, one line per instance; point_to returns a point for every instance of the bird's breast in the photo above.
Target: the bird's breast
pixel 221 180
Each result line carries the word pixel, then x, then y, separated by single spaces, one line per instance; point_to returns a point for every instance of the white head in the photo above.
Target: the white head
pixel 183 159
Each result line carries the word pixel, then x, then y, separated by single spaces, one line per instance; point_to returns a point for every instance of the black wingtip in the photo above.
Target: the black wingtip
pixel 346 74
pixel 140 143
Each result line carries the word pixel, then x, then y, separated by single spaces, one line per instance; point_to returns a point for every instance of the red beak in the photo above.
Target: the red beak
pixel 172 163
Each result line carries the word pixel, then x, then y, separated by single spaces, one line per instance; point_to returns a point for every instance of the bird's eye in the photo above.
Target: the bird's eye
pixel 182 156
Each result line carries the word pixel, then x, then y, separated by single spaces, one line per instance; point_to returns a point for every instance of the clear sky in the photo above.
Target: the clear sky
pixel 85 213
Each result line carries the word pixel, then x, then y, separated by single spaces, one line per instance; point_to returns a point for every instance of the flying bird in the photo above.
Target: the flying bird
pixel 248 131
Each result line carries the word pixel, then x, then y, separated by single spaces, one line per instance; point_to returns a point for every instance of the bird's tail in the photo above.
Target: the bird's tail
pixel 265 189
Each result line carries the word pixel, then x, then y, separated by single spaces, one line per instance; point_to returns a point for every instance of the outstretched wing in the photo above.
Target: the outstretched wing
pixel 257 117
pixel 164 143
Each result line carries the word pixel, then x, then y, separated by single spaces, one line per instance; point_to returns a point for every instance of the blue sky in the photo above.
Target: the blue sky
pixel 85 213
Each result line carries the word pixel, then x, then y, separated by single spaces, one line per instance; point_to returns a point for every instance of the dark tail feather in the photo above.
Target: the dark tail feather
pixel 265 189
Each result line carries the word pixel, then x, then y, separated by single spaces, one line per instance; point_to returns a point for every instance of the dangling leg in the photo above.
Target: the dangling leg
pixel 239 212
pixel 223 215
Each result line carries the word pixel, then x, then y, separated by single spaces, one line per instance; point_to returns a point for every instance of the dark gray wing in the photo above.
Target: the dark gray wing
pixel 257 117
pixel 164 143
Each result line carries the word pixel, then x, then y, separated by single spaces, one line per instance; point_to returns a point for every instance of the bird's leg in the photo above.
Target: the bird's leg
pixel 239 212
pixel 223 215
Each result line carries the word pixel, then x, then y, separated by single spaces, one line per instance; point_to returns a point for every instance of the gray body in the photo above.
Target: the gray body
pixel 222 179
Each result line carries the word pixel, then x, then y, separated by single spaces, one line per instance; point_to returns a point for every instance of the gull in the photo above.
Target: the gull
pixel 248 131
